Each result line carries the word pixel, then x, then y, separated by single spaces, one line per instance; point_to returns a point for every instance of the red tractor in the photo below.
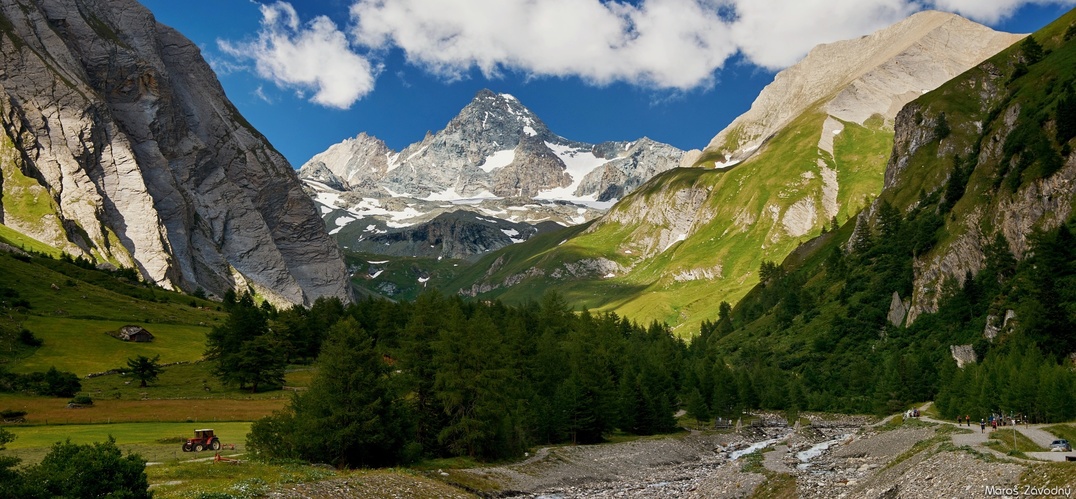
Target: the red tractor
pixel 203 439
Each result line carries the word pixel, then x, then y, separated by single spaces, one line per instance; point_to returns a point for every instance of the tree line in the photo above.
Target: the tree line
pixel 441 376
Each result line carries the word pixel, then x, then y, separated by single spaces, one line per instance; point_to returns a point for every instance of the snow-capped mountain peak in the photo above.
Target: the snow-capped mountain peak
pixel 497 155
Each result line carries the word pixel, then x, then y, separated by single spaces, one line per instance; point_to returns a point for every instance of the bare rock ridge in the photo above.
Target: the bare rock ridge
pixel 120 145
pixel 854 80
pixel 495 158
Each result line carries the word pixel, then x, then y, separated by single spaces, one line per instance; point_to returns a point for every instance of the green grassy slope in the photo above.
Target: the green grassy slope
pixel 72 308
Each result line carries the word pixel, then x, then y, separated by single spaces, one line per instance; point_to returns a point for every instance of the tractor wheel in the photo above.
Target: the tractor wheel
pixel 187 447
pixel 215 445
pixel 198 447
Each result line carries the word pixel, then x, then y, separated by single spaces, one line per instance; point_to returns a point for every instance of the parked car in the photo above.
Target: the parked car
pixel 1060 446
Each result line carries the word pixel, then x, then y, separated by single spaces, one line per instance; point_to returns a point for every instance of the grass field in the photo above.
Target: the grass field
pixel 49 410
pixel 155 442
pixel 20 240
pixel 82 347
pixel 187 381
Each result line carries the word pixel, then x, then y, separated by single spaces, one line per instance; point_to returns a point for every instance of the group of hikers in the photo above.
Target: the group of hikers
pixel 994 421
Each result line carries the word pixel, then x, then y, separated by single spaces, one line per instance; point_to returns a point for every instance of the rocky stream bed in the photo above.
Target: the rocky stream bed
pixel 843 456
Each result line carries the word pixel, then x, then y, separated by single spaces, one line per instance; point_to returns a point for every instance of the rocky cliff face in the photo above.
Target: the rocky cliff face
pixel 119 144
pixel 1000 116
pixel 495 158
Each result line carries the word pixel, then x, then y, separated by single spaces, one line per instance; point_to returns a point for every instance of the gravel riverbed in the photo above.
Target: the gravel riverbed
pixel 829 458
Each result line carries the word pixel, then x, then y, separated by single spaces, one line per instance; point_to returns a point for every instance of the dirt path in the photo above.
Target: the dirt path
pixel 1041 437
pixel 775 460
pixel 978 438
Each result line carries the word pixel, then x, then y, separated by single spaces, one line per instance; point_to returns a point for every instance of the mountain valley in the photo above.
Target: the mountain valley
pixel 809 154
pixel 885 243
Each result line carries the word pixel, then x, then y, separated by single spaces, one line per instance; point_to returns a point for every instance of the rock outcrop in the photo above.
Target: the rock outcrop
pixel 119 145
pixel 460 235
pixel 898 309
pixel 963 355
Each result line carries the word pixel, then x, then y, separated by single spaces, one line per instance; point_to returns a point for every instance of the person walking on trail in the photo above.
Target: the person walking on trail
pixel 967 419
pixel 982 426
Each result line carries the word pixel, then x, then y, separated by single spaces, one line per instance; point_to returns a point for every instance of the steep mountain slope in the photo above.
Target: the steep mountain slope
pixel 496 158
pixel 958 283
pixel 855 80
pixel 691 238
pixel 119 145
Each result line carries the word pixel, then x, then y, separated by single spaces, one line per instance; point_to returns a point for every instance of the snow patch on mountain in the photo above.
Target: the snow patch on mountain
pixel 499 159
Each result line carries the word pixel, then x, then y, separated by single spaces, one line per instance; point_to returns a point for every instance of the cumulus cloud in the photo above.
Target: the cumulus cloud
pixel 776 33
pixel 677 44
pixel 662 44
pixel 314 56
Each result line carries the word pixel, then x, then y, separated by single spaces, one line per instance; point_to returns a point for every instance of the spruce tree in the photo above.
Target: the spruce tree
pixel 144 369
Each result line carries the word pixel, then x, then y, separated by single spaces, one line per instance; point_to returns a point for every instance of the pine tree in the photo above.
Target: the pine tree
pixel 351 416
pixel 144 369
pixel 242 351
pixel 1031 50
pixel 473 385
pixel 1065 115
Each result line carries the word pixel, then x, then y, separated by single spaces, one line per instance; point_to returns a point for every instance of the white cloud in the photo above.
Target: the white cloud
pixel 665 44
pixel 661 43
pixel 776 33
pixel 315 56
pixel 677 44
pixel 260 93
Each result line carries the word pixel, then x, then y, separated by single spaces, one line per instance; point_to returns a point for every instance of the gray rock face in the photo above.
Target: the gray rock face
pixel 1042 203
pixel 119 144
pixel 494 150
pixel 963 355
pixel 996 325
pixel 897 310
pixel 629 168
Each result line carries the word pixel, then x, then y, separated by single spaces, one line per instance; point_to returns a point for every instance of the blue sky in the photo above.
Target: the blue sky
pixel 309 74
